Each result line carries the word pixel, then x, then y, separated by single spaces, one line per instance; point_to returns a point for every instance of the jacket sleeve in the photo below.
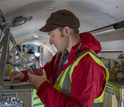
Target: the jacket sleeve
pixel 49 68
pixel 25 73
pixel 88 81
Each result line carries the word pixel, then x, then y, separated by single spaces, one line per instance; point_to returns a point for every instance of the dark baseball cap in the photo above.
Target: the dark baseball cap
pixel 61 18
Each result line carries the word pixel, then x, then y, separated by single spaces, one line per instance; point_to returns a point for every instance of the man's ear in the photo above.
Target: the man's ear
pixel 67 30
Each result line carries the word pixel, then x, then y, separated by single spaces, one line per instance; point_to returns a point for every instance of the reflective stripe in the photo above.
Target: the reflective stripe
pixel 83 52
pixel 66 87
pixel 38 104
pixel 97 105
pixel 36 98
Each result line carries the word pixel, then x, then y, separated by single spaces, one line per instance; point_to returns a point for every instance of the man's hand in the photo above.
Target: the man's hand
pixel 36 80
pixel 16 76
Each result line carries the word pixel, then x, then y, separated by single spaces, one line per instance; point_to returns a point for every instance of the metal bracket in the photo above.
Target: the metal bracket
pixel 0 96
pixel 4 47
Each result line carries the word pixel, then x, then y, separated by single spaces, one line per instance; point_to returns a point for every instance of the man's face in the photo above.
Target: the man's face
pixel 58 39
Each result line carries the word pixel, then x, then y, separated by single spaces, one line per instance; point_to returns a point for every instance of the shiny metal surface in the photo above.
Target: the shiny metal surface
pixel 4 47
pixel 13 94
pixel 118 88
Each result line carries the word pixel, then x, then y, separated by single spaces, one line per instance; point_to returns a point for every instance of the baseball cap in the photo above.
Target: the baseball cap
pixel 61 18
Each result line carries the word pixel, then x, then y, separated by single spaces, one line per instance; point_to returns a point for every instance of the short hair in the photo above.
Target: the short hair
pixel 75 30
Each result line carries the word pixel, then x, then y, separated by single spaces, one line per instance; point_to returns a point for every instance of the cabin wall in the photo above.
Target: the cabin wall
pixel 112 43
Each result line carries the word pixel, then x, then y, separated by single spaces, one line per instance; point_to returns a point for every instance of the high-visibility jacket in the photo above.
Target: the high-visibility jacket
pixel 64 82
pixel 36 100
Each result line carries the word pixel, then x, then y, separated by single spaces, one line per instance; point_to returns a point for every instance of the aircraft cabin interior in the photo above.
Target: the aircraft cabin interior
pixel 20 21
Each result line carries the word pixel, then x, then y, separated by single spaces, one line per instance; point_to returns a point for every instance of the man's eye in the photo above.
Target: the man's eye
pixel 52 35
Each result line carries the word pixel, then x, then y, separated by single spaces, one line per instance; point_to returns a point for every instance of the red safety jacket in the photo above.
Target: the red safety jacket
pixel 88 78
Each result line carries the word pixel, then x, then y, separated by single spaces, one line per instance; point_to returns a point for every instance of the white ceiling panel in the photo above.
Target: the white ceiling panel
pixel 93 14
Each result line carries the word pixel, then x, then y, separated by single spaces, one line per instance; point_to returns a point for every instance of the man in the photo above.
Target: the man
pixel 75 77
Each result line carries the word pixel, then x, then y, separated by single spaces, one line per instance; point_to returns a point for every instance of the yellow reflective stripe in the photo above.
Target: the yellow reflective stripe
pixel 100 99
pixel 59 83
pixel 36 101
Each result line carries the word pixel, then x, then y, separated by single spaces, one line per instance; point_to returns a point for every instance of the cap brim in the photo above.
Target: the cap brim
pixel 47 28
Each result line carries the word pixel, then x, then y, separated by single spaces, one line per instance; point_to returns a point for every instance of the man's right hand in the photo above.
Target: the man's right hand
pixel 16 76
